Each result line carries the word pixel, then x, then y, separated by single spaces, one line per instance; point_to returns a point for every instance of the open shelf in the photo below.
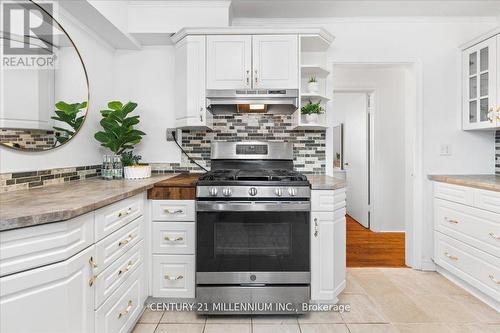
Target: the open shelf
pixel 313 70
pixel 314 97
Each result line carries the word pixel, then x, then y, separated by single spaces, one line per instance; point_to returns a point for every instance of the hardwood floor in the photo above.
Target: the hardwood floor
pixel 366 248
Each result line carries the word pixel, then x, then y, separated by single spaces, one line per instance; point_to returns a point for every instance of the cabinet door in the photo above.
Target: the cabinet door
pixel 229 62
pixel 53 298
pixel 479 85
pixel 275 62
pixel 190 69
pixel 327 254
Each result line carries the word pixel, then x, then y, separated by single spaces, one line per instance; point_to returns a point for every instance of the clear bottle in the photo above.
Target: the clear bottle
pixel 107 167
pixel 117 167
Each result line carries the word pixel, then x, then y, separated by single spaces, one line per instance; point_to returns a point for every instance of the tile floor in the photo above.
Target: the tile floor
pixel 385 300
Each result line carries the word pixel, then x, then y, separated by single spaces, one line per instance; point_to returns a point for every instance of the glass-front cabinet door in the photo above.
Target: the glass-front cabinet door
pixel 480 85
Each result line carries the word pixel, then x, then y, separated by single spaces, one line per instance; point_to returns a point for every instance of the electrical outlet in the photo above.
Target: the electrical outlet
pixel 445 150
pixel 170 136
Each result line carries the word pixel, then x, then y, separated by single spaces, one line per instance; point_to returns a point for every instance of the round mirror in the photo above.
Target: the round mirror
pixel 44 84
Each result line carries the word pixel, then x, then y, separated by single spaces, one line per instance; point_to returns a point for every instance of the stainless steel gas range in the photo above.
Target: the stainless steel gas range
pixel 253 215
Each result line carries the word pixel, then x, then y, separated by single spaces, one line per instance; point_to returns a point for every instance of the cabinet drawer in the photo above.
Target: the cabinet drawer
pixel 173 210
pixel 115 216
pixel 476 267
pixel 488 200
pixel 113 276
pixel 455 193
pixel 120 311
pixel 174 237
pixel 115 245
pixel 473 226
pixel 36 246
pixel 173 276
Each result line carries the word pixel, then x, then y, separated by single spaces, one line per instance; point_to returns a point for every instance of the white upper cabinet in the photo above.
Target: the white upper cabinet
pixel 480 85
pixel 190 69
pixel 229 62
pixel 252 62
pixel 275 62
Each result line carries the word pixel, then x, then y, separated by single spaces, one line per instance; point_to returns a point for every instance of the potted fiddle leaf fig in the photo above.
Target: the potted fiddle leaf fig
pixel 120 136
pixel 68 114
pixel 311 111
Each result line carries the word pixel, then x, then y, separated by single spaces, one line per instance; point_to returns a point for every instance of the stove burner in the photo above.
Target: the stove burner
pixel 253 175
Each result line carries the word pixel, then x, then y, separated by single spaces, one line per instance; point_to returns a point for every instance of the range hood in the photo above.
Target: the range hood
pixel 255 100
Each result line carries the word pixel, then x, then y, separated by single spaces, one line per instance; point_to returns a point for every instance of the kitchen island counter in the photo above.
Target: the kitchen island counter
pixel 323 182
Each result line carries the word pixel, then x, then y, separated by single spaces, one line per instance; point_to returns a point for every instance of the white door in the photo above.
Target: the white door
pixel 479 84
pixel 53 298
pixel 275 62
pixel 355 108
pixel 229 62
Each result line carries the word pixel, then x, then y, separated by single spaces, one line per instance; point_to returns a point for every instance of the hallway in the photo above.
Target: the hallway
pixel 366 248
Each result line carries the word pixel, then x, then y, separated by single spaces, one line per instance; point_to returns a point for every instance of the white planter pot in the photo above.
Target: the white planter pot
pixel 312 118
pixel 313 87
pixel 137 172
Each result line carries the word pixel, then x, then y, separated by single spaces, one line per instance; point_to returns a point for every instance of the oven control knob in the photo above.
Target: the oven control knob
pixel 292 191
pixel 213 191
pixel 252 191
pixel 226 192
pixel 278 192
pixel 253 277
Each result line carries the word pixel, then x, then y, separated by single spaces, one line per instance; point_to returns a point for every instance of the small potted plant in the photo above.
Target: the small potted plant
pixel 120 136
pixel 312 85
pixel 311 111
pixel 132 169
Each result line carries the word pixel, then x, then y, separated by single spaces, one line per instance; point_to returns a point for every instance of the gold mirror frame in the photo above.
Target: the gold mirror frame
pixel 86 81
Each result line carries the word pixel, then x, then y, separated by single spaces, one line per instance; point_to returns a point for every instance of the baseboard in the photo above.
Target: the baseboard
pixel 468 287
pixel 427 265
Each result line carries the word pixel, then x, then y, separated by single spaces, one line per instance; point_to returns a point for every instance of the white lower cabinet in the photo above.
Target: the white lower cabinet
pixel 328 245
pixel 174 276
pixel 120 311
pixel 53 298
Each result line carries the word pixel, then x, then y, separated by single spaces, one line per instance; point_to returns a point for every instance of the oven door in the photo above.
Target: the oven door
pixel 253 243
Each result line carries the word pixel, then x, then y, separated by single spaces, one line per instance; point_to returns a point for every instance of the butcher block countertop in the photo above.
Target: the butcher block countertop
pixel 484 182
pixel 180 187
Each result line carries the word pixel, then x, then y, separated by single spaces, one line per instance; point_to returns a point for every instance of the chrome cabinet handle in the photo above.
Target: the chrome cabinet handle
pixel 177 239
pixel 173 278
pixel 201 114
pixel 495 237
pixel 126 240
pixel 256 77
pixel 450 220
pixel 248 77
pixel 92 262
pixel 492 278
pixel 126 311
pixel 450 256
pixel 177 211
pixel 316 228
pixel 126 269
pixel 125 213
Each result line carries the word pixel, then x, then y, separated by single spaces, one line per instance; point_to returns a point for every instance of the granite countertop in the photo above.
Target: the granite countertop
pixel 323 182
pixel 54 203
pixel 485 182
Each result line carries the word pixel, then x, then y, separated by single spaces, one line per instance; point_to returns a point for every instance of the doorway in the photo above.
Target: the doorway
pixel 370 102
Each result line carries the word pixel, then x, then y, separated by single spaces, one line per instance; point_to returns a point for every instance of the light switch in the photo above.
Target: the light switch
pixel 445 149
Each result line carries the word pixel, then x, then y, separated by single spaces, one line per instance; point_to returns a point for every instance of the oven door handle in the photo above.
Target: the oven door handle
pixel 253 206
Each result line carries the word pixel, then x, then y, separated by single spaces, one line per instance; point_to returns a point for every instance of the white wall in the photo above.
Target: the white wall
pixel 147 78
pixel 388 169
pixel 83 149
pixel 433 44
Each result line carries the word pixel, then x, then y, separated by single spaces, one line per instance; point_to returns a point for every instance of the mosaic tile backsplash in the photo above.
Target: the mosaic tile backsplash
pixel 497 152
pixel 309 145
pixel 28 139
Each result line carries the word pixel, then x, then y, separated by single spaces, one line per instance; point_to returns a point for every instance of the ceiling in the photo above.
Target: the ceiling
pixel 362 8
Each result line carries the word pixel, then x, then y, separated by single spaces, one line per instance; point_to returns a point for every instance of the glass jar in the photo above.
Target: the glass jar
pixel 107 167
pixel 117 167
